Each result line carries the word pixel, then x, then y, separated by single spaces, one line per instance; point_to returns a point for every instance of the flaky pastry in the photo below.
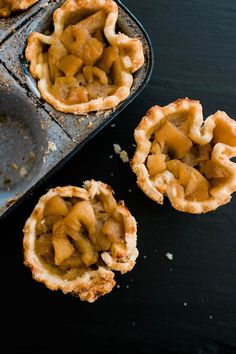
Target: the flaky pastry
pixel 84 65
pixel 76 237
pixel 185 158
pixel 9 6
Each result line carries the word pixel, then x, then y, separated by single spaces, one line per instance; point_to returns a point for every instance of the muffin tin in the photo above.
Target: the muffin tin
pixel 35 139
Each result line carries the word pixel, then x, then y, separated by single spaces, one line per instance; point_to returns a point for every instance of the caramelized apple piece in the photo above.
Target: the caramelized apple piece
pixel 74 261
pixel 81 213
pixel 176 141
pixel 77 47
pixel 70 65
pixel 55 53
pixel 116 72
pixel 56 206
pixel 92 51
pixel 84 212
pixel 62 87
pixel 114 230
pixel 77 95
pixel 92 23
pixel 72 274
pixel 156 164
pixel 90 72
pixel 80 79
pixel 212 170
pixel 204 153
pixel 118 250
pixel 95 90
pixel 196 186
pixel 85 247
pixel 100 37
pixel 109 56
pixel 50 220
pixel 67 37
pixel 62 246
pixel 103 243
pixel 43 244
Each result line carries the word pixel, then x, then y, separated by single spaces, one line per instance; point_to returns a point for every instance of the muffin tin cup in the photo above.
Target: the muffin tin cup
pixel 74 130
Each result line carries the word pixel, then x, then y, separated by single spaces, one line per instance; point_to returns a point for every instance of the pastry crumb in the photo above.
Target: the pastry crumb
pixel 122 153
pixel 117 148
pixel 127 286
pixel 80 120
pixel 185 304
pixel 111 157
pixel 169 256
pixel 124 156
pixel 14 166
pixel 210 317
pixel 61 119
pixel 144 257
pixel 113 125
pixel 23 172
pixel 118 286
pixel 90 125
pixel 51 147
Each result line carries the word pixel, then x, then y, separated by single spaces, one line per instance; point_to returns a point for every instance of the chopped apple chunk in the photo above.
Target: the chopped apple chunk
pixel 175 141
pixel 70 65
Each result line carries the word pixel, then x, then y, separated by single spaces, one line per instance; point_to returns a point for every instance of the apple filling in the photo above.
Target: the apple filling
pixel 192 165
pixel 73 233
pixel 83 66
pixel 186 158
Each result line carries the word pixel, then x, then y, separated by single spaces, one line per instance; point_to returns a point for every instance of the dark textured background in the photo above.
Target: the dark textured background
pixel 195 56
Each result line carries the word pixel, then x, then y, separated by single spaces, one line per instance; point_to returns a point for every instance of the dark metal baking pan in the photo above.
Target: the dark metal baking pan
pixel 11 24
pixel 77 129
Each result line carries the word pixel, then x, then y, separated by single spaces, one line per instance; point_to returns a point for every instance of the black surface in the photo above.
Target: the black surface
pixel 195 45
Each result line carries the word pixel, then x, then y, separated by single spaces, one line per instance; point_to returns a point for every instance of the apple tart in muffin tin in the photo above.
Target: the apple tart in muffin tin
pixel 76 237
pixel 9 6
pixel 84 65
pixel 185 158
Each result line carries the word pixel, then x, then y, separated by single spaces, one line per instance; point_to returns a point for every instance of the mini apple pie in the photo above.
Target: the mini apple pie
pixel 9 6
pixel 84 65
pixel 76 237
pixel 188 160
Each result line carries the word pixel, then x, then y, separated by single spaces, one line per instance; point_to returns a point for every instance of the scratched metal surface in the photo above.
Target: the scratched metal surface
pixel 73 131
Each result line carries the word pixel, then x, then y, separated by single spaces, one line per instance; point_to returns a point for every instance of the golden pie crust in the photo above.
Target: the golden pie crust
pixel 76 237
pixel 84 65
pixel 185 158
pixel 9 6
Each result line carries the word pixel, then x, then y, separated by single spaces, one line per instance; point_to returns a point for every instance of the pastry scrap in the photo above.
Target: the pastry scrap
pixel 185 158
pixel 9 6
pixel 84 65
pixel 76 237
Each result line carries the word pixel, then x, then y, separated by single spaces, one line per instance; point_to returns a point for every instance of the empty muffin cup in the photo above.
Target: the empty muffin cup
pixel 22 144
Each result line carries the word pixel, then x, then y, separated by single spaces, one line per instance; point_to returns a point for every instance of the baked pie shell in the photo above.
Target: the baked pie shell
pixel 37 40
pixel 201 133
pixel 93 283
